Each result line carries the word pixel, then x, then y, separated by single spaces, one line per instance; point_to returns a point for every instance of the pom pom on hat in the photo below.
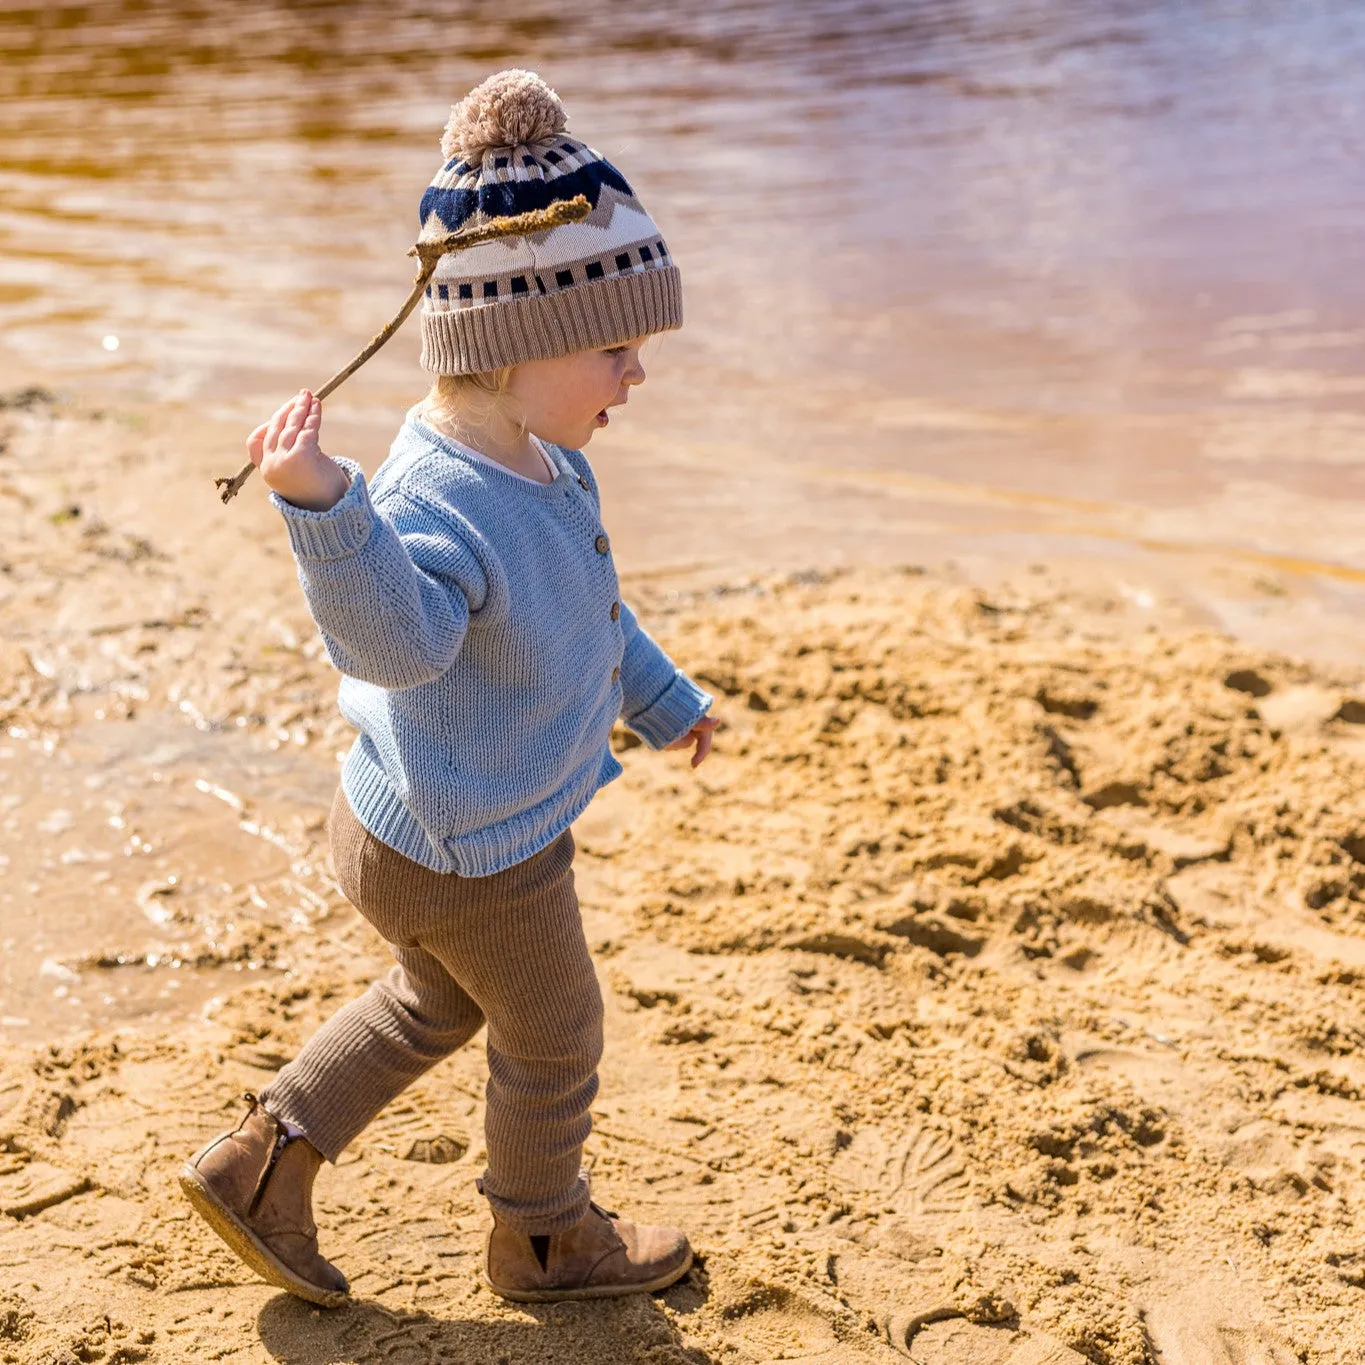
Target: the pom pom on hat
pixel 509 109
pixel 535 291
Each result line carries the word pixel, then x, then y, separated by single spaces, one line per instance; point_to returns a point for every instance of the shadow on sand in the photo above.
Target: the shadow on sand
pixel 631 1328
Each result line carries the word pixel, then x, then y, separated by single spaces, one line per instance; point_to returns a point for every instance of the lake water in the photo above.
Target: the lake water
pixel 1090 268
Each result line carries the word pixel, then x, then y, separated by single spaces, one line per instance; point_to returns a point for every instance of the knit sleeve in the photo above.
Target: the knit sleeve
pixel 391 590
pixel 660 702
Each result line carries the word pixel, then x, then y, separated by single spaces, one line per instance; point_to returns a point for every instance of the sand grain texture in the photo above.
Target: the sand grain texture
pixel 993 994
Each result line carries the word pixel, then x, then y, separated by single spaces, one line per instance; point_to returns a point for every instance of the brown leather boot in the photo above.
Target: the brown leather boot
pixel 254 1187
pixel 600 1257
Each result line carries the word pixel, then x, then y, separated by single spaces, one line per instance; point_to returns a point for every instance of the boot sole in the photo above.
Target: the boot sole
pixel 248 1247
pixel 596 1291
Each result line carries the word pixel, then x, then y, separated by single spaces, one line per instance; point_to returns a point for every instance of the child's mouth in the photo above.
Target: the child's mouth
pixel 602 419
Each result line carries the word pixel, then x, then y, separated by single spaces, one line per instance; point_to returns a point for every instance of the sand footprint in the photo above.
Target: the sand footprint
pixel 1182 1333
pixel 418 1128
pixel 12 1091
pixel 777 1324
pixel 898 1272
pixel 955 1342
pixel 28 1187
pixel 916 1174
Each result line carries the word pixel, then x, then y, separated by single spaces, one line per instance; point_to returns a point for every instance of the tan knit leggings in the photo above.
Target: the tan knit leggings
pixel 508 949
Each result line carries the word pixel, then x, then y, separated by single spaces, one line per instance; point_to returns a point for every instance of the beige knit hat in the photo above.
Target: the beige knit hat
pixel 595 282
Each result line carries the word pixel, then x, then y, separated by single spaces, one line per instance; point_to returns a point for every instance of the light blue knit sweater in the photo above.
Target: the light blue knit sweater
pixel 477 620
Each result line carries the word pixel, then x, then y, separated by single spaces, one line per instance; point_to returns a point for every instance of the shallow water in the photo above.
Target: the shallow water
pixel 146 865
pixel 1107 252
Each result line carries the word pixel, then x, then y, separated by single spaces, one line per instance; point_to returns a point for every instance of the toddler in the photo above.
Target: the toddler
pixel 469 598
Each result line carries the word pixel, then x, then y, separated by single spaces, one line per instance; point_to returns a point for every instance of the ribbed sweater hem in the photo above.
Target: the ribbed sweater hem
pixel 481 853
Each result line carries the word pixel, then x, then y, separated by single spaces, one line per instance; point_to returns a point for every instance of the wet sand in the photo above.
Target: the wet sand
pixel 992 994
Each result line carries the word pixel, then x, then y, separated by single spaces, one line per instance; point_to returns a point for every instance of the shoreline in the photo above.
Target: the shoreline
pixel 1272 585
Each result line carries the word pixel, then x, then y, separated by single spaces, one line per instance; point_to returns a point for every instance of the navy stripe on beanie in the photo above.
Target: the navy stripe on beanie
pixel 455 205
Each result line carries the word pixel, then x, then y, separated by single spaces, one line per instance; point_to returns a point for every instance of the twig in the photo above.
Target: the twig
pixel 428 256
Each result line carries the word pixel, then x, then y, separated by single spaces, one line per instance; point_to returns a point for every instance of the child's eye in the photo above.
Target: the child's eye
pixel 616 350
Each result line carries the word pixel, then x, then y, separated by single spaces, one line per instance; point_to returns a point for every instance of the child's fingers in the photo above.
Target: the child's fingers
pixel 294 422
pixel 255 443
pixel 272 432
pixel 701 730
pixel 703 746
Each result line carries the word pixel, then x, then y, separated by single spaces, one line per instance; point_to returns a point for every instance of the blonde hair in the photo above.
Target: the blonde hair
pixel 455 399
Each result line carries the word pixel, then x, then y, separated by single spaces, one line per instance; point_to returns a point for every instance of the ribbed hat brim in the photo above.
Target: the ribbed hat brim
pixel 542 326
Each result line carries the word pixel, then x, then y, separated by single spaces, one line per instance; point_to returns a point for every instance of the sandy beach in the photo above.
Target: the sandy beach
pixel 992 994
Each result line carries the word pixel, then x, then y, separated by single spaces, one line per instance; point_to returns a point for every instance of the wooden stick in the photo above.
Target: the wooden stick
pixel 428 257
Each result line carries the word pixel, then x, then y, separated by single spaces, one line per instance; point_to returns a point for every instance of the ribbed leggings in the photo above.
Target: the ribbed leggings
pixel 508 949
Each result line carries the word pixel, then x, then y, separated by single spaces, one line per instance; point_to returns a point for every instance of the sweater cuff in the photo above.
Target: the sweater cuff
pixel 671 715
pixel 339 531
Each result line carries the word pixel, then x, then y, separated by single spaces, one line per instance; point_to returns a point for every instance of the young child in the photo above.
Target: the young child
pixel 469 598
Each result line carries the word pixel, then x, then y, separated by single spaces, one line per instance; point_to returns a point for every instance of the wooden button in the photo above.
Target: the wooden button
pixel 615 674
pixel 602 545
pixel 583 483
pixel 615 611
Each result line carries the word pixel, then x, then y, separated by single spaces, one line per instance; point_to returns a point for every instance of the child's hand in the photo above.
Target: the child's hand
pixel 700 735
pixel 285 449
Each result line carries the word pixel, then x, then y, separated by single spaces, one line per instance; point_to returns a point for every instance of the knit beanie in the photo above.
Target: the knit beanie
pixel 593 282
